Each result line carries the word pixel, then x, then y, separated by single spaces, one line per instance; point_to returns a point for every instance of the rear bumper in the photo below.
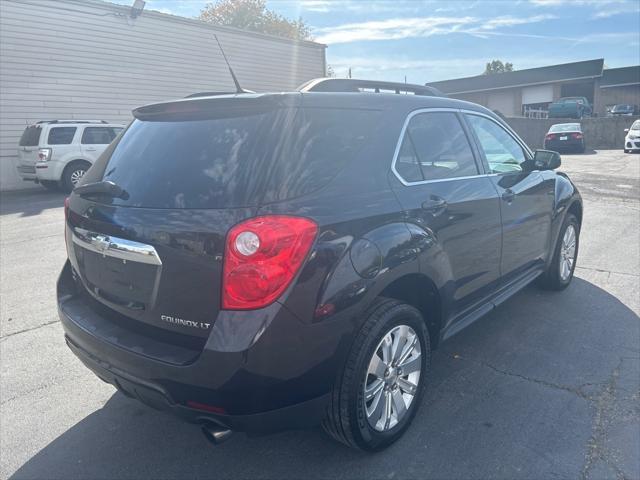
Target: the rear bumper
pixel 51 170
pixel 26 171
pixel 260 371
pixel 301 415
pixel 564 145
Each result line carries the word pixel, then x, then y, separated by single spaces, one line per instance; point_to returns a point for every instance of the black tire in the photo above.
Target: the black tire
pixel 50 184
pixel 70 171
pixel 346 419
pixel 551 279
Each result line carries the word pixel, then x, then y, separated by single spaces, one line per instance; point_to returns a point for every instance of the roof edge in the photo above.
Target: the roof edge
pixel 519 85
pixel 524 70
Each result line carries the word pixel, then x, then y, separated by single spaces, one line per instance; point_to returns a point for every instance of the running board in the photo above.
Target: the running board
pixel 503 295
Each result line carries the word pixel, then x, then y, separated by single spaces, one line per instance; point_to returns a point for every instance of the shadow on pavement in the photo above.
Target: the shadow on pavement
pixel 30 202
pixel 508 398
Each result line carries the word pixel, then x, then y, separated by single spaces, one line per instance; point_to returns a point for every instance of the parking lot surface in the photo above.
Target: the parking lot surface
pixel 546 386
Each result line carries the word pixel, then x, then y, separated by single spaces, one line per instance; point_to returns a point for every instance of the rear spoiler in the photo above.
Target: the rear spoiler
pixel 210 106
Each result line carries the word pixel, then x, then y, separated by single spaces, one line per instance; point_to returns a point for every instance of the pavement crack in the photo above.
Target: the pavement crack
pixel 575 390
pixel 602 402
pixel 596 445
pixel 567 388
pixel 607 271
pixel 9 335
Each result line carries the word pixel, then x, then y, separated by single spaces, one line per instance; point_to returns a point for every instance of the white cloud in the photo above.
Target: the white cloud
pixel 391 29
pixel 414 27
pixel 611 10
pixel 315 5
pixel 602 8
pixel 510 21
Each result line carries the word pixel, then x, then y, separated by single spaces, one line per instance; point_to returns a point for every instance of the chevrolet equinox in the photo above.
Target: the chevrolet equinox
pixel 258 262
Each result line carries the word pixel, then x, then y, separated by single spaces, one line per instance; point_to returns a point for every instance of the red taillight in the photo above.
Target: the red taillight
pixel 550 136
pixel 577 136
pixel 44 154
pixel 262 255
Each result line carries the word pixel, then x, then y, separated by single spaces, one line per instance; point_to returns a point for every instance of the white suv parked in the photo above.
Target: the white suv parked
pixel 58 152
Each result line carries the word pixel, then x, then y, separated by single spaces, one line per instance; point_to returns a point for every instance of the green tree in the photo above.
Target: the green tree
pixel 496 66
pixel 253 15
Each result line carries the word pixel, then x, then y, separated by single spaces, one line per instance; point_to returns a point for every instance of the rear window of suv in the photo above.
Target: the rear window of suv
pixel 31 136
pixel 243 158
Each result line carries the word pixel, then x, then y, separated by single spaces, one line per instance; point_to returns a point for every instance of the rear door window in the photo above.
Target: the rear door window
pixel 99 135
pixel 435 147
pixel 61 135
pixel 244 157
pixel 31 136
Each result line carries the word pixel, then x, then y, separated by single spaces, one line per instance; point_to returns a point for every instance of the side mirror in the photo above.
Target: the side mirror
pixel 546 160
pixel 626 130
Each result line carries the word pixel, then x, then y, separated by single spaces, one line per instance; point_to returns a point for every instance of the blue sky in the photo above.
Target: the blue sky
pixel 429 40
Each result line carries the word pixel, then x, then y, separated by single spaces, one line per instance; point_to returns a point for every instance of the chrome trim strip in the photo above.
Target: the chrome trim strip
pixel 454 110
pixel 106 245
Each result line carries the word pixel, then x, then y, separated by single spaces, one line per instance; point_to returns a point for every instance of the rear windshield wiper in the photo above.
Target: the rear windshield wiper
pixel 105 187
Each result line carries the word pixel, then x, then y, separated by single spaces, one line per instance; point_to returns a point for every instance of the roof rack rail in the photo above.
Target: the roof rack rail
pixel 373 86
pixel 71 121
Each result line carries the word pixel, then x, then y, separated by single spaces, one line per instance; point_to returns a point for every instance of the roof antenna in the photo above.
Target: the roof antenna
pixel 239 89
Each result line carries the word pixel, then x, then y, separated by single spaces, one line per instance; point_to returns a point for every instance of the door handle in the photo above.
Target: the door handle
pixel 435 205
pixel 90 149
pixel 508 195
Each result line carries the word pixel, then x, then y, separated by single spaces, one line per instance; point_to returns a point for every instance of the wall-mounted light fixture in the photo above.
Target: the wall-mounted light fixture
pixel 136 8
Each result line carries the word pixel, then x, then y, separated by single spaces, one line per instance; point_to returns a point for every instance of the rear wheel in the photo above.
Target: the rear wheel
pixel 73 173
pixel 380 389
pixel 560 271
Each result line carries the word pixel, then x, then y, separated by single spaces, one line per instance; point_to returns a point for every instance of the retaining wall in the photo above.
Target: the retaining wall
pixel 602 133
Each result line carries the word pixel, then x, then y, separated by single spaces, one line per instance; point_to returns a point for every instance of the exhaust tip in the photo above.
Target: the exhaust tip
pixel 216 434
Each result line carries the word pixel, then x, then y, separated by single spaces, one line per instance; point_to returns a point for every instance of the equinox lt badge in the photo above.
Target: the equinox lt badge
pixel 183 322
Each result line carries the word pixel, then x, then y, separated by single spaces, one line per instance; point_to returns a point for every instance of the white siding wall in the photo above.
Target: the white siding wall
pixel 88 59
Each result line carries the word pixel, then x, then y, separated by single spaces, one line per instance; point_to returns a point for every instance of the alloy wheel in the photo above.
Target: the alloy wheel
pixel 567 252
pixel 76 176
pixel 392 377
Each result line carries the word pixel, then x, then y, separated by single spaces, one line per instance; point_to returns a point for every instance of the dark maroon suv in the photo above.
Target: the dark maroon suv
pixel 256 262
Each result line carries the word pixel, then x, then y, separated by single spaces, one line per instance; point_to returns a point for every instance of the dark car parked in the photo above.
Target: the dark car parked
pixel 565 137
pixel 263 262
pixel 624 110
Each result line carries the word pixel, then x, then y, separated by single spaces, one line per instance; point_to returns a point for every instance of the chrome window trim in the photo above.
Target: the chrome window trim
pixel 418 111
pixel 106 245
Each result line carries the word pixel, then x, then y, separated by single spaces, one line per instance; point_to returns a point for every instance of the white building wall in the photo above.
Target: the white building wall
pixel 76 59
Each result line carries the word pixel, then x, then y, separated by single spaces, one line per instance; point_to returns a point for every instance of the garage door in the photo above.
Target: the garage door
pixel 537 94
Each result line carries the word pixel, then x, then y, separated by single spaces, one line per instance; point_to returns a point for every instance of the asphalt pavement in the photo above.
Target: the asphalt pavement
pixel 546 386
